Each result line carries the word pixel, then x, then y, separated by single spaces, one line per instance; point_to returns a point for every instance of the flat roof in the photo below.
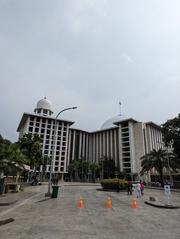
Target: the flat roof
pixel 25 115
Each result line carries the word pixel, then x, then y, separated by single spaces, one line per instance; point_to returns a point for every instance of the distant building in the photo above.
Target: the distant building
pixel 125 140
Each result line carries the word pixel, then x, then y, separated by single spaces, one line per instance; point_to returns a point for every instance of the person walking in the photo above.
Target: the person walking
pixel 142 188
pixel 129 188
pixel 138 190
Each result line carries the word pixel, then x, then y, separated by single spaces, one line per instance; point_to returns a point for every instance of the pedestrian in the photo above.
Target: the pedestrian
pixel 129 188
pixel 142 188
pixel 138 190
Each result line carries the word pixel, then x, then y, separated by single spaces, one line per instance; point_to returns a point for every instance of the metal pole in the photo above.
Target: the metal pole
pixel 170 176
pixel 53 151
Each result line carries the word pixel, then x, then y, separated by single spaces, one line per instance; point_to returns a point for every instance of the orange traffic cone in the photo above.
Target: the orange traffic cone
pixel 134 205
pixel 108 202
pixel 80 203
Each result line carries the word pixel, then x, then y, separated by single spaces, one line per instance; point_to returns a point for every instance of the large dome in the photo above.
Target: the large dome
pixel 44 104
pixel 110 122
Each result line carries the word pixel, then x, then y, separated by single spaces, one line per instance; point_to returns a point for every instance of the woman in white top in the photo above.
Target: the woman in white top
pixel 138 190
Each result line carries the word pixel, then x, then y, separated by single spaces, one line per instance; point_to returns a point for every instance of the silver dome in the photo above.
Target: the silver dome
pixel 44 104
pixel 110 122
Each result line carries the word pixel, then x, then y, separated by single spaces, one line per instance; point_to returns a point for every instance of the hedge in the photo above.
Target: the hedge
pixel 113 183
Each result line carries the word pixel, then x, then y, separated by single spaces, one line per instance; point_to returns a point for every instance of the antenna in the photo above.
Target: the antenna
pixel 120 108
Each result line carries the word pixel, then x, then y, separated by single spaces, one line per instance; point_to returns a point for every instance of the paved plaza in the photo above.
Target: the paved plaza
pixel 37 217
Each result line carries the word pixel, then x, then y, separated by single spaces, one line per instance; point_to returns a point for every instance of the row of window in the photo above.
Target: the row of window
pixel 49 126
pixel 48 131
pixel 57 152
pixel 44 120
pixel 56 169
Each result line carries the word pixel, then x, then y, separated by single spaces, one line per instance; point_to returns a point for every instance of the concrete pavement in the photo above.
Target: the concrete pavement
pixel 60 218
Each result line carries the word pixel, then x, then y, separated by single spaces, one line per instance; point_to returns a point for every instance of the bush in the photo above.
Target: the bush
pixel 113 184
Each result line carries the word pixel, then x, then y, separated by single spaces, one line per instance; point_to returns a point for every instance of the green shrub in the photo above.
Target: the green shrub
pixel 113 183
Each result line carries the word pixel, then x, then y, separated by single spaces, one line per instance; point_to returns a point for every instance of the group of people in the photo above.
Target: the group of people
pixel 139 188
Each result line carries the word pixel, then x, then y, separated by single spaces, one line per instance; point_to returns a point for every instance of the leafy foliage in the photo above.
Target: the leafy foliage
pixel 159 160
pixel 171 134
pixel 113 183
pixel 108 167
pixel 31 146
pixel 12 160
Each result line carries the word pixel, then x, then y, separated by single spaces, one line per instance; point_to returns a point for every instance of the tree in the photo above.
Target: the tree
pixel 74 169
pixel 159 160
pixel 12 160
pixel 31 146
pixel 94 167
pixel 107 167
pixel 171 134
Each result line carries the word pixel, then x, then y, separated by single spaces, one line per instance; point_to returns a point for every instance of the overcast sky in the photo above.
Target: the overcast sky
pixel 91 54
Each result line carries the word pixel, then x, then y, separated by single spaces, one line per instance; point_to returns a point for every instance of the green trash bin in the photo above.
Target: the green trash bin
pixel 55 190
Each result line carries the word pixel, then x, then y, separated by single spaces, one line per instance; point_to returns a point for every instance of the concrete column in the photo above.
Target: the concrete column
pixel 132 148
pixel 120 148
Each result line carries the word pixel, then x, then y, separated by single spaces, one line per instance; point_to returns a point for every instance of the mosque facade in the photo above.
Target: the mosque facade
pixel 124 140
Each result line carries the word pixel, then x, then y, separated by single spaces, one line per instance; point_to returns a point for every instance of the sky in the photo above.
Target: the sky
pixel 90 54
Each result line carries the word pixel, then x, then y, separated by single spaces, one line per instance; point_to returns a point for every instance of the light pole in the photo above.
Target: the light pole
pixel 54 145
pixel 169 169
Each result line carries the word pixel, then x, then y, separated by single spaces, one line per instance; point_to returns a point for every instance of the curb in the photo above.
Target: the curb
pixel 8 203
pixel 161 205
pixel 3 222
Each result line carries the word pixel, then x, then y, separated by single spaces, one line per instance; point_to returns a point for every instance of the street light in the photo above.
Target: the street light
pixel 54 145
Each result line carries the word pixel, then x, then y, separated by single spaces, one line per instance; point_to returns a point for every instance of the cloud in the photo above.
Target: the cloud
pixel 126 59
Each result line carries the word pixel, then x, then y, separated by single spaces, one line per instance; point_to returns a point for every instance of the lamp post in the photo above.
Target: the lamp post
pixel 54 145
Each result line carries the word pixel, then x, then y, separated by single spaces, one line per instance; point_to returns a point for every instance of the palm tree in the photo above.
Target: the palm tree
pixel 12 160
pixel 159 160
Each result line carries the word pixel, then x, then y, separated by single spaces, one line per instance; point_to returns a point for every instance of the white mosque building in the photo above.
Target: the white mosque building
pixel 125 140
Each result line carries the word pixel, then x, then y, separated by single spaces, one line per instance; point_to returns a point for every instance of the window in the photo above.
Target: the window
pixel 127 165
pixel 45 112
pixel 56 169
pixel 32 118
pixel 42 130
pixel 36 130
